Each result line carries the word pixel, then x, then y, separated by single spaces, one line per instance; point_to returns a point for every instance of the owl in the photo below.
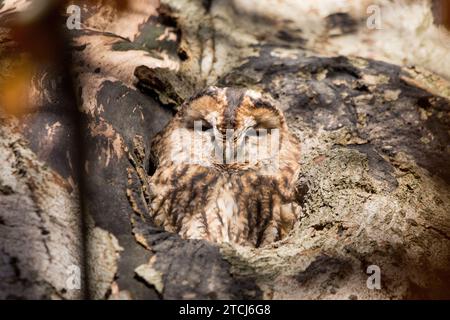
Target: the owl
pixel 226 170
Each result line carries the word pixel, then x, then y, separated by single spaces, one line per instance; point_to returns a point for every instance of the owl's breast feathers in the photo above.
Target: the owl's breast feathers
pixel 205 203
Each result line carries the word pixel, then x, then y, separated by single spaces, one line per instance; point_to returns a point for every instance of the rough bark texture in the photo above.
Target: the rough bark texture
pixel 41 241
pixel 39 226
pixel 375 161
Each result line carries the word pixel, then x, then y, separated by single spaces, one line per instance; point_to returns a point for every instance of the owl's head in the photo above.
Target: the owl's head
pixel 228 129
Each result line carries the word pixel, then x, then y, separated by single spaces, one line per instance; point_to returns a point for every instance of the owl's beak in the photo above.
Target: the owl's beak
pixel 227 145
pixel 223 144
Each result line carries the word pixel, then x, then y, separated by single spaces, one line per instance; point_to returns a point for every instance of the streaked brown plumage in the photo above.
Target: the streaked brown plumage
pixel 237 194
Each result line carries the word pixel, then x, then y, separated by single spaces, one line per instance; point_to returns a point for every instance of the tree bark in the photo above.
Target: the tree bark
pixel 375 180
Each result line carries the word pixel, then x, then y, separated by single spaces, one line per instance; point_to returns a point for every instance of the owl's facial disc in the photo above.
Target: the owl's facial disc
pixel 241 147
pixel 230 129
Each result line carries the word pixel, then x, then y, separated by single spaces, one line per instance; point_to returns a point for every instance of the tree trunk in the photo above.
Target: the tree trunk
pixel 375 178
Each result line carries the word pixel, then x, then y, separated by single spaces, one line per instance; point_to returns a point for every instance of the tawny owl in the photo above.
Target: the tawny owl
pixel 227 168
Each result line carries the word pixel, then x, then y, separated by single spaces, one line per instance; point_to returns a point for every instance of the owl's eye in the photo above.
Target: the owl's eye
pixel 268 122
pixel 257 132
pixel 199 124
pixel 206 126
